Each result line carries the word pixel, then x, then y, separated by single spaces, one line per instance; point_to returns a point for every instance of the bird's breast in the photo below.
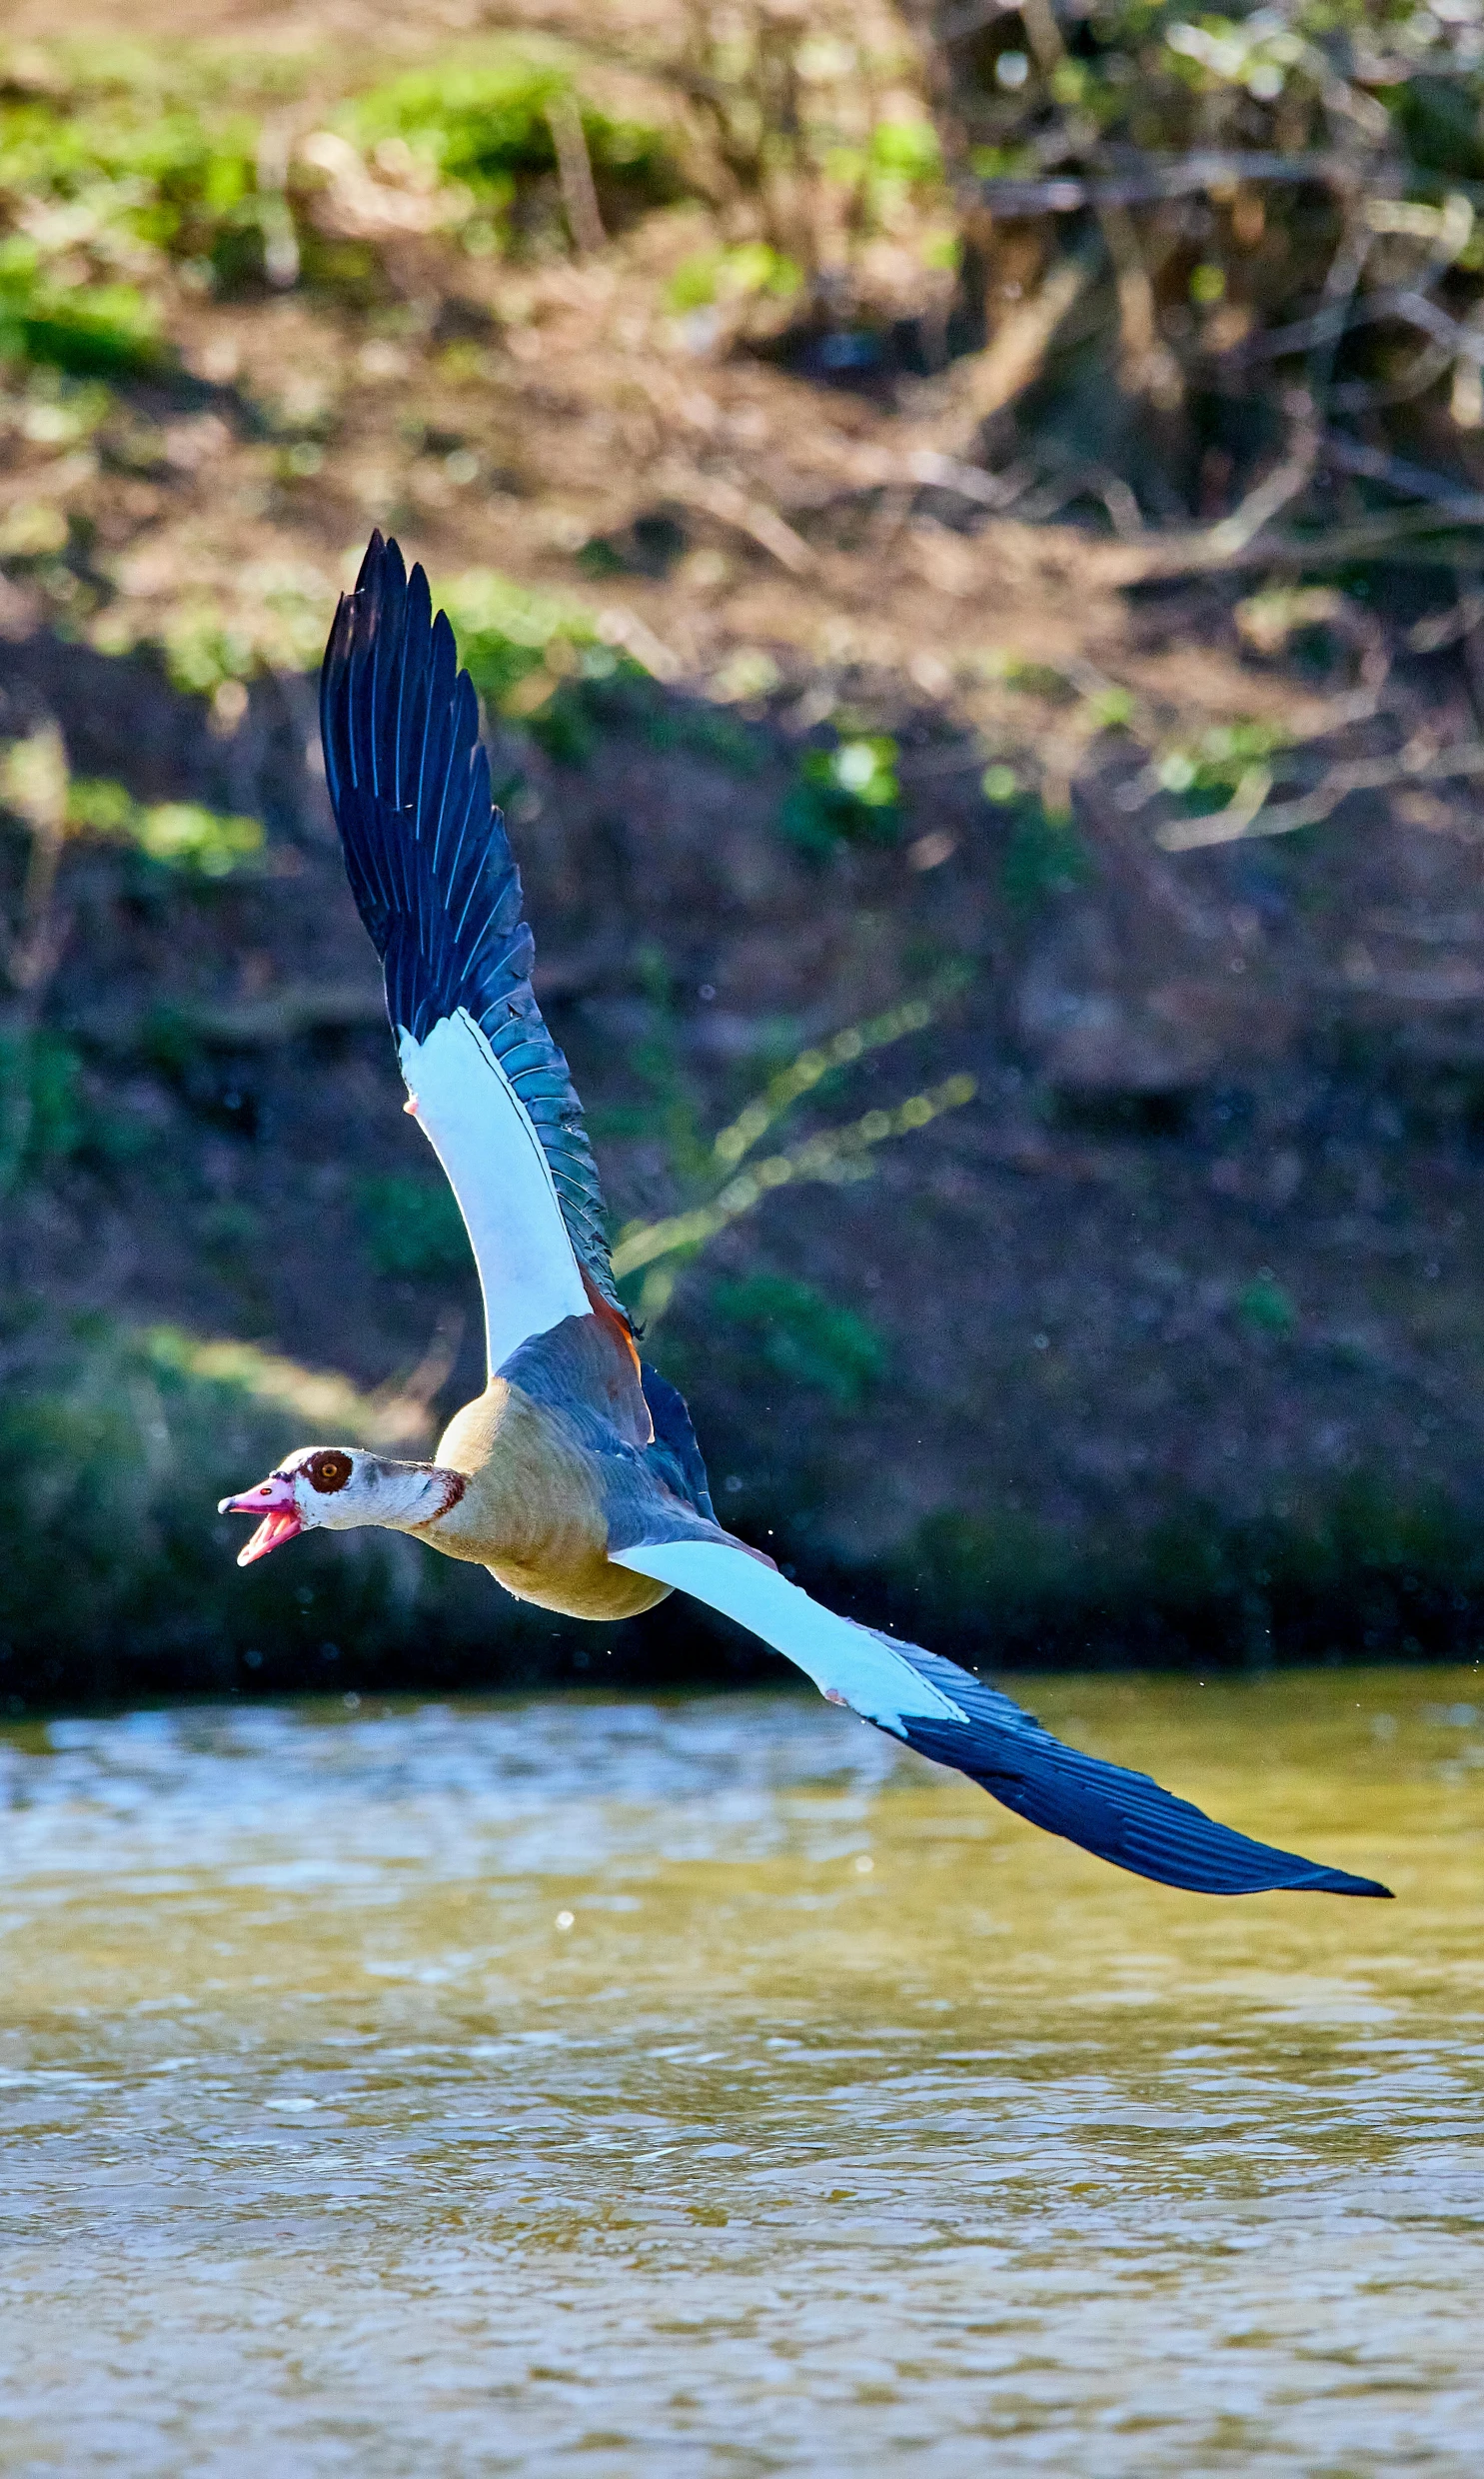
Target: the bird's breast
pixel 532 1510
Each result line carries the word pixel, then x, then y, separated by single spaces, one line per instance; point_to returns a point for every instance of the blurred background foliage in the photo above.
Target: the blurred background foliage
pixel 963 521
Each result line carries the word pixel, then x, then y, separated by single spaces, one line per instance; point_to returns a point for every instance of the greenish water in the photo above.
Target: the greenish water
pixel 707 2089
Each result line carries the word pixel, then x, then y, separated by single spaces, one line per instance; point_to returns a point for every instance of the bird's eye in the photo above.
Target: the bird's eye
pixel 330 1471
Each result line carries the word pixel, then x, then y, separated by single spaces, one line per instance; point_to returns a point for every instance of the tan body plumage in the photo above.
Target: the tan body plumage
pixel 531 1509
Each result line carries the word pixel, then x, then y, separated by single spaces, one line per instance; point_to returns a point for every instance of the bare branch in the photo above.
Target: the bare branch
pixel 949 472
pixel 971 19
pixel 731 506
pixel 1417 763
pixel 986 382
pixel 1458 338
pixel 1353 456
pixel 1233 533
pixel 574 171
pixel 1185 178
pixel 33 782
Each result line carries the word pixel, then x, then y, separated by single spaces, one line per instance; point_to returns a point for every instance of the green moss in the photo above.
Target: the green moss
pixel 107 331
pixel 1266 1307
pixel 276 622
pixel 1044 856
pixel 668 722
pixel 568 725
pixel 179 835
pixel 907 150
pixel 750 271
pixel 1208 774
pixel 114 1565
pixel 43 1120
pixel 1439 118
pixel 483 127
pixel 804 1336
pixel 845 795
pixel 511 634
pixel 414 1228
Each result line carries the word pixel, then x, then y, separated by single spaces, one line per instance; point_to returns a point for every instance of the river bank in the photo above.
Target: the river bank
pixel 1114 1293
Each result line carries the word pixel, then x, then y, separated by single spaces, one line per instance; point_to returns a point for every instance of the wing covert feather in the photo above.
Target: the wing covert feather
pixel 468 1108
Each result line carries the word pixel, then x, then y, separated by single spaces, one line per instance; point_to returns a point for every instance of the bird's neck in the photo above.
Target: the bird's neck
pixel 410 1496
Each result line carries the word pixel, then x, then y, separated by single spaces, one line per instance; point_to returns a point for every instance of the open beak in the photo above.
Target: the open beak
pixel 272 1500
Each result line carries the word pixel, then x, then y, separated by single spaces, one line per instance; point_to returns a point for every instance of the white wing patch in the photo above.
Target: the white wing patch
pixel 482 1134
pixel 847 1662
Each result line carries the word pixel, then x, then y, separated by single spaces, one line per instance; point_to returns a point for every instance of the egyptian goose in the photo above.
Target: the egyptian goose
pixel 575 1477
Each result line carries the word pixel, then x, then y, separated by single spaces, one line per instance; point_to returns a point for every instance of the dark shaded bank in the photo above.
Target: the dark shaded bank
pixel 1166 1349
pixel 117 1580
pixel 368 1619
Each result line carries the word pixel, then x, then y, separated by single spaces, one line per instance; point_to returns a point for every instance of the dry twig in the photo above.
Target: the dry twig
pixel 985 382
pixel 1247 818
pixel 1066 194
pixel 574 171
pixel 733 507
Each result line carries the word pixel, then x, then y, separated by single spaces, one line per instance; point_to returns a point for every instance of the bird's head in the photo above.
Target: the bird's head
pixel 335 1488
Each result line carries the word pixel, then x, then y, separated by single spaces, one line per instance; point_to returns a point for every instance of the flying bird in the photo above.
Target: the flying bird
pixel 574 1477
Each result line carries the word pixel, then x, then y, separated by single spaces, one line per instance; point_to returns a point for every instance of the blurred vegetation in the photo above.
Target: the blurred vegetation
pixel 1266 1306
pixel 477 133
pixel 1284 233
pixel 1366 1569
pixel 1271 216
pixel 414 1230
pixel 133 163
pixel 725 1192
pixel 848 794
pixel 745 273
pixel 43 1118
pixel 179 835
pixel 1044 856
pixel 40 1118
pixel 802 1337
pixel 112 1567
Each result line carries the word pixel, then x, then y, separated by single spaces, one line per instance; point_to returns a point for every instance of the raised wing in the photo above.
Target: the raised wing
pixel 433 875
pixel 946 1713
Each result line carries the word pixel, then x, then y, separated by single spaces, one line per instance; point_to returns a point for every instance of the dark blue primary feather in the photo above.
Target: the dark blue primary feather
pixel 1116 1815
pixel 430 864
pixel 675 1450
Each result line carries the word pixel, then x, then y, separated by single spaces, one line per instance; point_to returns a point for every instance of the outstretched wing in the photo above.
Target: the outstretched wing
pixel 947 1714
pixel 432 872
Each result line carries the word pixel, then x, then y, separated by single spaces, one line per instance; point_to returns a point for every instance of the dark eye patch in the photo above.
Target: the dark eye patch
pixel 330 1471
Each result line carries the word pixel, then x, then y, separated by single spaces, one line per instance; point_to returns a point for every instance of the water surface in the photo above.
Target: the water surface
pixel 708 2089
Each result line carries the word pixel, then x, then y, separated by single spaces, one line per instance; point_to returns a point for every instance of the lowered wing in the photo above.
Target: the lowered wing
pixel 434 879
pixel 946 1713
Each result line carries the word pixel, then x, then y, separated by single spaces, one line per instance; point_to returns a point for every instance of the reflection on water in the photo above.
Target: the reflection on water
pixel 707 2089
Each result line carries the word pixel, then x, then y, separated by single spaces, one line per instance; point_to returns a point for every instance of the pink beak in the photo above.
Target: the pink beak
pixel 272 1500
